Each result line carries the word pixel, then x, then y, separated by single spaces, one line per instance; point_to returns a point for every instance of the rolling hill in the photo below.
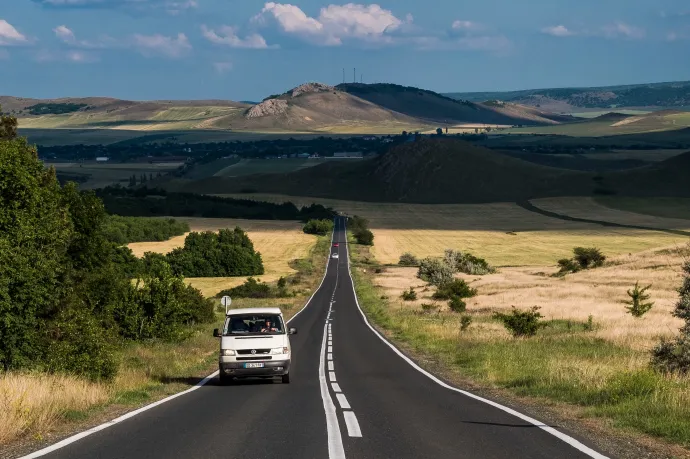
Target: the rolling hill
pixel 426 171
pixel 570 100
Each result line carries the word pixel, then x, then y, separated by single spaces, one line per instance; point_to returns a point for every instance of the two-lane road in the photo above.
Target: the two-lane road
pixel 352 395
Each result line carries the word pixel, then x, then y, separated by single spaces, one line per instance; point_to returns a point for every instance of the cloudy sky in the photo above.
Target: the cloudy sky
pixel 247 49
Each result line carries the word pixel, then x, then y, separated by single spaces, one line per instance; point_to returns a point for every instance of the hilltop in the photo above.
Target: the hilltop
pixel 569 100
pixel 430 170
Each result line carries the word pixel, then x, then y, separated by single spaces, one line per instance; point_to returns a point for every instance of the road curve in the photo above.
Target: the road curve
pixel 352 395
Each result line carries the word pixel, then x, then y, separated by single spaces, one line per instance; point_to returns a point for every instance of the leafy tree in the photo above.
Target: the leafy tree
pixel 454 288
pixel 673 356
pixel 434 271
pixel 439 131
pixel 8 126
pixel 588 257
pixel 407 259
pixel 320 227
pixel 637 305
pixel 364 237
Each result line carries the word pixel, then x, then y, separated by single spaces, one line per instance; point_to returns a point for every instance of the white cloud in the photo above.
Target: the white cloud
pixel 622 30
pixel 227 35
pixel 334 23
pixel 222 67
pixel 467 26
pixel 65 34
pixel 558 31
pixel 9 35
pixel 150 45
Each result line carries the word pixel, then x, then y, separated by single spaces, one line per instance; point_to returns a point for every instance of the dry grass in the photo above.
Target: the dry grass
pixel 279 242
pixel 31 403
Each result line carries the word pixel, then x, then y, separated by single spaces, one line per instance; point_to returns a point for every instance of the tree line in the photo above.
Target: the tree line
pixel 123 230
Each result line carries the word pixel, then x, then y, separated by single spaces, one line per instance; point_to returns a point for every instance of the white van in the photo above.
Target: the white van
pixel 254 343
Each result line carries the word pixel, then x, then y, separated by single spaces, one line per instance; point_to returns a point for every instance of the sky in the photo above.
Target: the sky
pixel 249 49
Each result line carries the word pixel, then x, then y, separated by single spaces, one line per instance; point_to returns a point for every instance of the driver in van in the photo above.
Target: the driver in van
pixel 268 327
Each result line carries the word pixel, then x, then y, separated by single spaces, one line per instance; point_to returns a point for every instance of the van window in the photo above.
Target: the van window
pixel 254 324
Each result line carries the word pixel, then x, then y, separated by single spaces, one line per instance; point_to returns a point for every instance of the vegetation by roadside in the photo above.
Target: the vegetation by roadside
pixel 123 230
pixel 571 362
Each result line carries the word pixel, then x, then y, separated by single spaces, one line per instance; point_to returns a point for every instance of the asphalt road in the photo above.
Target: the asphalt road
pixel 351 396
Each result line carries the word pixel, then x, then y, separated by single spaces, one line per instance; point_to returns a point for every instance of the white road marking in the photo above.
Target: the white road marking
pixel 335 440
pixel 330 348
pixel 330 366
pixel 336 387
pixel 560 435
pixel 329 356
pixel 331 375
pixel 86 433
pixel 353 429
pixel 344 404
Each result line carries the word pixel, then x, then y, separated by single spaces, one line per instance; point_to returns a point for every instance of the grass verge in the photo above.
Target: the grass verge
pixel 41 407
pixel 564 363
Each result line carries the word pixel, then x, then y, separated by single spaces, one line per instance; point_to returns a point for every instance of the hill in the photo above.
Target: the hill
pixel 670 178
pixel 426 171
pixel 569 100
pixel 429 105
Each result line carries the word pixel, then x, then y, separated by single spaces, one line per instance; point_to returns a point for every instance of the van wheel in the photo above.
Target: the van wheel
pixel 286 378
pixel 224 380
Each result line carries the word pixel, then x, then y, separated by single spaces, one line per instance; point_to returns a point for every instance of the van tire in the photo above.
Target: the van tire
pixel 224 380
pixel 286 378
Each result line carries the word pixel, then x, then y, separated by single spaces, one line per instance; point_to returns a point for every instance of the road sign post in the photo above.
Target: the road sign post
pixel 226 301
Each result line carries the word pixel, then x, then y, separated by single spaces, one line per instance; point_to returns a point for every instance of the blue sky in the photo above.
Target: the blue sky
pixel 248 49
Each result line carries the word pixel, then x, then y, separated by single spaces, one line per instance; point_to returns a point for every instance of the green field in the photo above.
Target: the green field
pixel 200 171
pixel 658 207
pixel 104 174
pixel 271 166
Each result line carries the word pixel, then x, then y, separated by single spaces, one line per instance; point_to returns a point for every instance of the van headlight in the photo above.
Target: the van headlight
pixel 280 350
pixel 228 352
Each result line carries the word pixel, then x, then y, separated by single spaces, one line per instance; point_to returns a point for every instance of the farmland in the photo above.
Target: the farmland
pixel 279 242
pixel 104 174
pixel 269 166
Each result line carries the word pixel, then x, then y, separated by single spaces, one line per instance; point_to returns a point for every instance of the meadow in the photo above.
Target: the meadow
pixel 271 166
pixel 107 173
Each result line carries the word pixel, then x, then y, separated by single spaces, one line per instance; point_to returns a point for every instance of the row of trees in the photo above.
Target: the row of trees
pixel 70 296
pixel 123 230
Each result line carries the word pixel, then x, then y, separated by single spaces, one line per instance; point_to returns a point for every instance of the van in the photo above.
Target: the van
pixel 254 343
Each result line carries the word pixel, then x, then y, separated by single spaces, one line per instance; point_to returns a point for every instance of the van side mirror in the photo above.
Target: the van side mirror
pixel 292 331
pixel 216 333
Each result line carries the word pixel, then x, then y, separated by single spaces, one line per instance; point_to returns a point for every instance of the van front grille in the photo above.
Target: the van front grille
pixel 263 357
pixel 249 351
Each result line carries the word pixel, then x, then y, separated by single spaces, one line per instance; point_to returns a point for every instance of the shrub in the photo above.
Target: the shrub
pixel 364 237
pixel 588 257
pixel 434 271
pixel 429 307
pixel 249 289
pixel 407 259
pixel 467 263
pixel 456 304
pixel 320 227
pixel 122 230
pixel 522 323
pixel 455 288
pixel 465 322
pixel 409 295
pixel 673 356
pixel 568 265
pixel 638 296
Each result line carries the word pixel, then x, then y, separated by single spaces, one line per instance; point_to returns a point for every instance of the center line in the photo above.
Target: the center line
pixel 330 366
pixel 330 348
pixel 336 387
pixel 353 429
pixel 331 375
pixel 344 404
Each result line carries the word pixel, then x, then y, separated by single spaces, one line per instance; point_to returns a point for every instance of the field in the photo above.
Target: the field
pixel 658 207
pixel 270 166
pixel 279 242
pixel 641 155
pixel 103 174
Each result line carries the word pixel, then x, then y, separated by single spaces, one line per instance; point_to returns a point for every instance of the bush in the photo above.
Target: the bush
pixel 320 227
pixel 364 237
pixel 434 271
pixel 123 230
pixel 521 323
pixel 637 306
pixel 250 289
pixel 467 263
pixel 409 295
pixel 429 307
pixel 673 356
pixel 465 322
pixel 456 304
pixel 455 288
pixel 407 259
pixel 588 257
pixel 568 265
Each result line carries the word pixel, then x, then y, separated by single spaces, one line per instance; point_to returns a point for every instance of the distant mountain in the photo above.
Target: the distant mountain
pixel 567 100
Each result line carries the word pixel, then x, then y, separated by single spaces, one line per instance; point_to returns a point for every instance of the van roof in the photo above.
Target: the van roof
pixel 255 311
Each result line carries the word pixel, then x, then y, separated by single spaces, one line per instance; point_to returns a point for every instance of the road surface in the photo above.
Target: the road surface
pixel 351 395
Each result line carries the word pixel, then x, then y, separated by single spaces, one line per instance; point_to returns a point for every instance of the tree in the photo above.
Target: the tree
pixel 8 126
pixel 673 356
pixel 439 131
pixel 637 306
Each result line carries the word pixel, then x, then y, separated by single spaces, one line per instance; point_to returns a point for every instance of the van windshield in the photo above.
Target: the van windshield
pixel 254 324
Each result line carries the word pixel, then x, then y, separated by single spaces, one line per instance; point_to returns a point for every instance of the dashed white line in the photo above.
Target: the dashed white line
pixel 329 356
pixel 353 429
pixel 331 375
pixel 335 440
pixel 344 404
pixel 330 366
pixel 336 387
pixel 330 348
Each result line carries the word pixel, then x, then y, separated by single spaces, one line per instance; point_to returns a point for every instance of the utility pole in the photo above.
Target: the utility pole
pixel 343 74
pixel 354 75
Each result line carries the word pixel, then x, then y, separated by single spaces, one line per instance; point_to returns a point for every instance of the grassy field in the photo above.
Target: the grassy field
pixel 504 233
pixel 40 408
pixel 271 166
pixel 642 155
pixel 103 174
pixel 658 207
pixel 279 242
pixel 579 372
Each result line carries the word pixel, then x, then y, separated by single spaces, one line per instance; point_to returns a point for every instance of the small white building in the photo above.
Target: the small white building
pixel 348 154
pixel 102 159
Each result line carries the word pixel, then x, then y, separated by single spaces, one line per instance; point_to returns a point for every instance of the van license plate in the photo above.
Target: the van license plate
pixel 254 365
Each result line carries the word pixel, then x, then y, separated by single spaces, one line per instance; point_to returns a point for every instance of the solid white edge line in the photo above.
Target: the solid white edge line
pixel 86 433
pixel 335 440
pixel 344 404
pixel 331 375
pixel 560 435
pixel 353 429
pixel 336 387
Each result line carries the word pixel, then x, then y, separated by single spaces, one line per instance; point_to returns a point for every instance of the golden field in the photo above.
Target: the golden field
pixel 279 242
